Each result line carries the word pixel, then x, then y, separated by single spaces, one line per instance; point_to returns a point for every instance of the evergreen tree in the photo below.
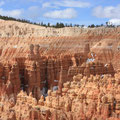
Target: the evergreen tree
pixel 48 25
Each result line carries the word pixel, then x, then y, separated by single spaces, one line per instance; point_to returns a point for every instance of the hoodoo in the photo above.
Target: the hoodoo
pixel 59 74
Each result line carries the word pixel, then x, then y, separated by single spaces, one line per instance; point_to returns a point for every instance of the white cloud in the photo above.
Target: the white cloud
pixel 49 5
pixel 68 13
pixel 2 3
pixel 12 13
pixel 67 3
pixel 114 22
pixel 46 5
pixel 72 3
pixel 33 13
pixel 107 12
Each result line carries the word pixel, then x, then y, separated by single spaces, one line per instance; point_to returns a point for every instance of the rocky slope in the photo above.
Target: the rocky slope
pixel 16 38
pixel 18 29
pixel 79 62
pixel 92 98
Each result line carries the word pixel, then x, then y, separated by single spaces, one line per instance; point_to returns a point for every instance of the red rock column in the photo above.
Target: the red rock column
pixel 31 55
pixel 65 65
pixel 43 70
pixel 50 73
pixel 105 108
pixel 54 115
pixel 57 69
pixel 34 80
pixel 60 84
pixel 36 52
pixel 6 71
pixel 47 115
pixel 9 85
pixel 31 76
pixel 86 49
pixel 87 71
pixel 74 61
pixel 38 74
pixel 34 115
pixel 14 78
pixel 111 69
pixel 17 79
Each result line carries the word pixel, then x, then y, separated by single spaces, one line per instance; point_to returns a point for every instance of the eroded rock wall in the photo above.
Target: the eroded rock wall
pixel 68 73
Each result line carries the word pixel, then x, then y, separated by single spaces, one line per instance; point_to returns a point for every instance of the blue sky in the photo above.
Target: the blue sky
pixel 68 11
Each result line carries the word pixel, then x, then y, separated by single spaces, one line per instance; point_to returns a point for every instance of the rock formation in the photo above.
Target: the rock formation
pixel 93 97
pixel 59 74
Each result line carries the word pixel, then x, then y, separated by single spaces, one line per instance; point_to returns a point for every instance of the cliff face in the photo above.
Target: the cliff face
pixel 15 38
pixel 39 60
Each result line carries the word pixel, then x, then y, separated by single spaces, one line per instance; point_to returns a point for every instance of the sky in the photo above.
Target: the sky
pixel 83 12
